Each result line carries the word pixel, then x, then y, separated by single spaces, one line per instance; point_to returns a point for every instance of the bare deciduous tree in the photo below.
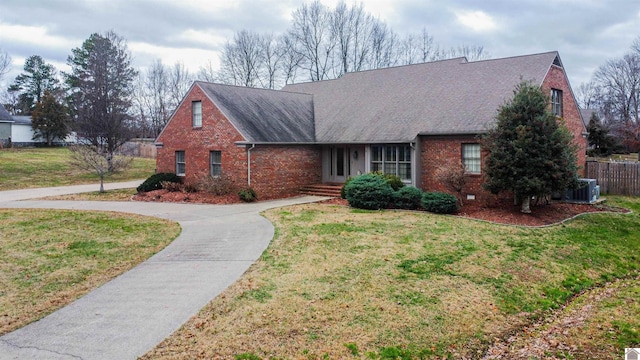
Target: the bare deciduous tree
pixel 96 159
pixel 5 63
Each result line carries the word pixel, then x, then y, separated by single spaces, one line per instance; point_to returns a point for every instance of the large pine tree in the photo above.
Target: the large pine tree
pixel 531 151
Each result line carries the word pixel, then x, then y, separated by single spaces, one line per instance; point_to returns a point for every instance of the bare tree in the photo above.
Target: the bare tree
pixel 96 159
pixel 290 60
pixel 587 95
pixel 5 63
pixel 207 73
pixel 383 46
pixel 180 81
pixel 619 81
pixel 272 56
pixel 313 39
pixel 152 98
pixel 241 60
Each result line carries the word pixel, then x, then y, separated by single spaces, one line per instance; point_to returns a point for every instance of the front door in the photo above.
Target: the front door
pixel 338 159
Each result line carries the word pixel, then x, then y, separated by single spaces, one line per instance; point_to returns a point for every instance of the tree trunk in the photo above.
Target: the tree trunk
pixel 526 201
pixel 101 183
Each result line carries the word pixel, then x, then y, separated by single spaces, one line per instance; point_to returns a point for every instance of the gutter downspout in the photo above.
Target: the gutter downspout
pixel 249 164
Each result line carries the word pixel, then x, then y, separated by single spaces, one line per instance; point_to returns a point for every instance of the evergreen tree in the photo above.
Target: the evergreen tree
pixel 101 87
pixel 50 120
pixel 603 142
pixel 37 78
pixel 530 150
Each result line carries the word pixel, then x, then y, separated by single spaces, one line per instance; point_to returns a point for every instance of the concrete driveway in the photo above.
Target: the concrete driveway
pixel 131 314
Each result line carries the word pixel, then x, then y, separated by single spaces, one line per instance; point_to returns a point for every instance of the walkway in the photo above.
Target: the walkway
pixel 131 314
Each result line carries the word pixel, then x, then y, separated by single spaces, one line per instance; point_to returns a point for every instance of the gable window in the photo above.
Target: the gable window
pixel 196 113
pixel 556 102
pixel 392 159
pixel 471 158
pixel 180 163
pixel 215 163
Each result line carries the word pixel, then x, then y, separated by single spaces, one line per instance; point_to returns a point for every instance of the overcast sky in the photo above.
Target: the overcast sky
pixel 585 32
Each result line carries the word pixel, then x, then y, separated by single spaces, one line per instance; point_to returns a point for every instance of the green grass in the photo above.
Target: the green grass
pixel 48 258
pixel 43 167
pixel 407 285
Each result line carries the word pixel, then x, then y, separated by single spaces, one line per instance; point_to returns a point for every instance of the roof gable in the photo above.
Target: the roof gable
pixel 262 115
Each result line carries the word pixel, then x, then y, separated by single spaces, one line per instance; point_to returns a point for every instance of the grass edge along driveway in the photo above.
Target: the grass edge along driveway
pixel 49 258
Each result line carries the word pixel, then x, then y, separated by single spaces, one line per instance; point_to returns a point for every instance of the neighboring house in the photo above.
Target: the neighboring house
pixel 5 126
pixel 409 121
pixel 18 129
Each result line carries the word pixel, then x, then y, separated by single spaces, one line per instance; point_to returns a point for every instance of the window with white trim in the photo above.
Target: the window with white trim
pixel 215 163
pixel 392 159
pixel 471 158
pixel 556 102
pixel 180 163
pixel 196 114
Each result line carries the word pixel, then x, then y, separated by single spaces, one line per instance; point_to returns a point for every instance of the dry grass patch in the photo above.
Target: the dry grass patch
pixel 43 167
pixel 342 283
pixel 108 195
pixel 48 258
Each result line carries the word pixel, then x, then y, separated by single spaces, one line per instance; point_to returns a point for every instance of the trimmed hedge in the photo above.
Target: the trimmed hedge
pixel 408 197
pixel 154 182
pixel 440 203
pixel 369 191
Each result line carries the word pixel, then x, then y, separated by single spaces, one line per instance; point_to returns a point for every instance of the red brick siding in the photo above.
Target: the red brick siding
pixel 280 170
pixel 446 151
pixel 275 170
pixel 571 114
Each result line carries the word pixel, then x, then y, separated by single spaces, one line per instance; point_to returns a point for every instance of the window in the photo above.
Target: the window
pixel 556 102
pixel 180 163
pixel 392 159
pixel 471 158
pixel 196 113
pixel 215 163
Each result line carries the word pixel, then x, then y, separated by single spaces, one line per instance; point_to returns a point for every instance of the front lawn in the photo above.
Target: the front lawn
pixel 49 258
pixel 23 168
pixel 341 283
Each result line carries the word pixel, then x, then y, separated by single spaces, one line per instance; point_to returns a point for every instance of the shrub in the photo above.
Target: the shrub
pixel 219 185
pixel 248 195
pixel 154 182
pixel 369 191
pixel 393 180
pixel 172 186
pixel 440 203
pixel 407 197
pixel 343 193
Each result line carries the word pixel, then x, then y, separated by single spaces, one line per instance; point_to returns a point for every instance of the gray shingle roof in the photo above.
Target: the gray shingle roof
pixel 265 115
pixel 396 104
pixel 4 115
pixel 22 120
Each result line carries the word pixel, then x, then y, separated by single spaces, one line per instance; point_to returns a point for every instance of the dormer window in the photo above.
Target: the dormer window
pixel 196 113
pixel 556 102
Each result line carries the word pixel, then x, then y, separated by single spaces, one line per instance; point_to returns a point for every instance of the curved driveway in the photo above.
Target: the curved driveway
pixel 131 314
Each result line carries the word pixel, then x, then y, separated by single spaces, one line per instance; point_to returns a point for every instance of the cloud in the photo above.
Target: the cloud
pixel 476 20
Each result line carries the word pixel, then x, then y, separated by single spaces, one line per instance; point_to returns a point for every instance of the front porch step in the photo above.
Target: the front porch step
pixel 326 189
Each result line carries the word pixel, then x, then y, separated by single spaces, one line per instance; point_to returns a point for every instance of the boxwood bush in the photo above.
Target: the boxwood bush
pixel 248 195
pixel 369 191
pixel 440 203
pixel 154 182
pixel 393 180
pixel 407 197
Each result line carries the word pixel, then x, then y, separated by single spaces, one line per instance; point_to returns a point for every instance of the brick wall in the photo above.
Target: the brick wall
pixel 280 170
pixel 276 171
pixel 439 153
pixel 571 114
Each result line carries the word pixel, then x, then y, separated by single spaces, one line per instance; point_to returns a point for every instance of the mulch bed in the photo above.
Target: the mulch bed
pixel 502 212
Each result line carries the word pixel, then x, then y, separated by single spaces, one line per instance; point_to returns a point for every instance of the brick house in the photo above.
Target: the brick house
pixel 408 120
